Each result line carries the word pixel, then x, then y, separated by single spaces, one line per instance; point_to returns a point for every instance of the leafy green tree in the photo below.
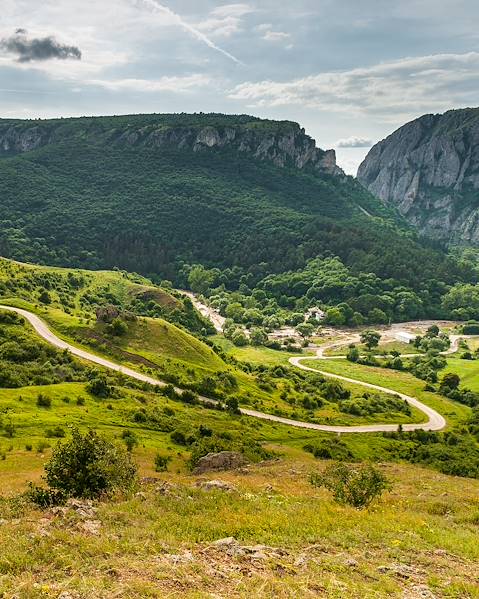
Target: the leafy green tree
pixel 377 316
pixel 89 466
pixel 334 317
pixel 99 386
pixel 239 338
pixel 258 336
pixel 357 485
pixel 370 339
pixel 305 329
pixel 353 354
pixel 200 279
pixel 235 311
pixel 118 327
pixel 449 381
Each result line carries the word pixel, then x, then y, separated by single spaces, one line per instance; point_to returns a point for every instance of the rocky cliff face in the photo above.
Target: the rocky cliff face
pixel 429 170
pixel 282 143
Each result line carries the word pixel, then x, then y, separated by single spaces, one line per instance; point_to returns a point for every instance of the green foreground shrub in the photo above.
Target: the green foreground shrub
pixel 356 485
pixel 86 466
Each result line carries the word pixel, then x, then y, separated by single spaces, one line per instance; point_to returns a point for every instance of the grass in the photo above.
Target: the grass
pixel 468 370
pixel 386 347
pixel 402 382
pixel 161 545
pixel 256 354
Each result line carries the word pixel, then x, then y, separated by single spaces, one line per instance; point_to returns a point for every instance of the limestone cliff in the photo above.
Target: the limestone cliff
pixel 429 170
pixel 282 142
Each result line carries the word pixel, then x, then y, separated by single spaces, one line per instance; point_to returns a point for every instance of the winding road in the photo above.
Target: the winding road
pixel 435 420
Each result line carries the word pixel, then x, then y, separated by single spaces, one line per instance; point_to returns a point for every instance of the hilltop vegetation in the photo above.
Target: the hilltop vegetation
pixel 106 192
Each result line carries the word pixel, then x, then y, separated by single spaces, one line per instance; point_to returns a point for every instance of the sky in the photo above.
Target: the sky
pixel 349 71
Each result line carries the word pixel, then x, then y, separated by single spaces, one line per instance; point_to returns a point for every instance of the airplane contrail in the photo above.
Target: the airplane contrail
pixel 187 27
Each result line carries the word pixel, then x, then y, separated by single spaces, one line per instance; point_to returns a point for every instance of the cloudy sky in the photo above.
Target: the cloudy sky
pixel 350 71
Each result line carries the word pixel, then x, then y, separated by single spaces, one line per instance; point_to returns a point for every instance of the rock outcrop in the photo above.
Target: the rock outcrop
pixel 429 170
pixel 224 460
pixel 282 142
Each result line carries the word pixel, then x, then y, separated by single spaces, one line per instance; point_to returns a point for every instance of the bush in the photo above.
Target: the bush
pixel 357 486
pixel 161 462
pixel 99 387
pixel 44 497
pixel 130 439
pixel 89 466
pixel 43 401
pixel 57 432
pixel 118 327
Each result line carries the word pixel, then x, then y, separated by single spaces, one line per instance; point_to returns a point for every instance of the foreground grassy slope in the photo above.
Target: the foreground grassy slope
pixel 161 543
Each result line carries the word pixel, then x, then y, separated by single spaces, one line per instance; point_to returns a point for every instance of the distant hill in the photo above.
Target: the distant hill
pixel 149 193
pixel 429 170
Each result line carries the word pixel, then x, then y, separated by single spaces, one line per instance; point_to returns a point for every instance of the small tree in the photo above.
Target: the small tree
pixel 118 327
pixel 370 339
pixel 99 387
pixel 449 381
pixel 305 329
pixel 353 354
pixel 130 439
pixel 89 465
pixel 161 462
pixel 232 405
pixel 357 485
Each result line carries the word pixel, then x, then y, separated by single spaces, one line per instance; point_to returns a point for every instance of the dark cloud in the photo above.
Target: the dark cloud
pixel 28 49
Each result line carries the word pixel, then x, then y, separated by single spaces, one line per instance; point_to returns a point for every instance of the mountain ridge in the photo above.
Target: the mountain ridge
pixel 281 142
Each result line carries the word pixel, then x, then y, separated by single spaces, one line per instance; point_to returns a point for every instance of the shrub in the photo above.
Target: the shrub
pixel 43 401
pixel 161 462
pixel 118 327
pixel 89 466
pixel 99 387
pixel 42 445
pixel 44 497
pixel 130 439
pixel 178 437
pixel 357 486
pixel 57 432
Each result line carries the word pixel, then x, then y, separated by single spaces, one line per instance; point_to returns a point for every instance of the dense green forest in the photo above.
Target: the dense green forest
pixel 87 195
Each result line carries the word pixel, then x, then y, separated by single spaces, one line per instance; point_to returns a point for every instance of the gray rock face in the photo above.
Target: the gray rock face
pixel 429 170
pixel 224 460
pixel 284 144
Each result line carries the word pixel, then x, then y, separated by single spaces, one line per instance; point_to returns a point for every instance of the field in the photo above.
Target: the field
pixel 161 543
pixel 468 370
pixel 400 381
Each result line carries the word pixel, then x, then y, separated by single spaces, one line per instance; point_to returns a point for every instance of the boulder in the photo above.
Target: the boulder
pixel 224 460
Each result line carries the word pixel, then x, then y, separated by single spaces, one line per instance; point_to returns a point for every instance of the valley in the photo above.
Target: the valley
pixel 290 328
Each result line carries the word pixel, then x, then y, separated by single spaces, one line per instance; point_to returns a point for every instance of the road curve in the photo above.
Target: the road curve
pixel 435 422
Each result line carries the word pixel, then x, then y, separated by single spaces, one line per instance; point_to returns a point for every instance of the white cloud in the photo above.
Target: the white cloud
pixel 225 20
pixel 391 91
pixel 276 36
pixel 354 142
pixel 178 20
pixel 164 84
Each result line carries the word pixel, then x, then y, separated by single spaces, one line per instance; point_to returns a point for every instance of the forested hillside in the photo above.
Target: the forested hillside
pixel 152 193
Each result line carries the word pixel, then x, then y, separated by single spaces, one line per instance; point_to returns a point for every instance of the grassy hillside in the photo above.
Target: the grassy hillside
pixel 161 543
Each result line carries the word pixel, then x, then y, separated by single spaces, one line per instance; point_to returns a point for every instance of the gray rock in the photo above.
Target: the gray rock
pixel 215 485
pixel 429 170
pixel 224 460
pixel 284 146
